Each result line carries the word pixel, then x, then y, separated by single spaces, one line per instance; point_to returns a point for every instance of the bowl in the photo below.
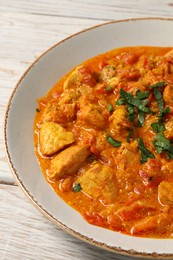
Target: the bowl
pixel 19 118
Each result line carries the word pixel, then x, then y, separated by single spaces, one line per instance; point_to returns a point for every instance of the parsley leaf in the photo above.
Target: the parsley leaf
pixel 130 99
pixel 158 84
pixel 129 135
pixel 120 101
pixel 159 99
pixel 170 153
pixel 145 153
pixel 158 127
pixel 77 187
pixel 113 142
pixel 108 88
pixel 141 118
pixel 142 95
pixel 109 107
pixel 131 113
pixel 163 144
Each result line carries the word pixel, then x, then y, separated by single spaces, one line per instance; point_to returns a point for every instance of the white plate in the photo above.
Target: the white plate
pixel 35 82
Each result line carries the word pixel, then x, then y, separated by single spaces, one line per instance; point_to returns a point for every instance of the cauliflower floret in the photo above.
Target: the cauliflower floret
pixel 53 138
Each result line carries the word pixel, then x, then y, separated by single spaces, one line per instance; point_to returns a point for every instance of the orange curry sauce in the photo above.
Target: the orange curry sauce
pixel 103 138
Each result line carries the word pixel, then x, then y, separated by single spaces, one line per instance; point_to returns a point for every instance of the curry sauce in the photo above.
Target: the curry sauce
pixel 104 140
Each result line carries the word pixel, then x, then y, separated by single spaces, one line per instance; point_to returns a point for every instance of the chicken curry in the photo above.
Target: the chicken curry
pixel 104 140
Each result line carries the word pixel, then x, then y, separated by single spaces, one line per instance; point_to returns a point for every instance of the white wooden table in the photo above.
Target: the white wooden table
pixel 27 29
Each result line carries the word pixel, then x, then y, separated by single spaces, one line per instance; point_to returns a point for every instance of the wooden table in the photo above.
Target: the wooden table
pixel 27 29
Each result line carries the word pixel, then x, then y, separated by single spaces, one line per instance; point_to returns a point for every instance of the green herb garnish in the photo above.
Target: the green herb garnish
pixel 145 153
pixel 142 95
pixel 134 101
pixel 159 99
pixel 129 135
pixel 108 88
pixel 158 127
pixel 120 101
pixel 113 142
pixel 158 84
pixel 141 118
pixel 37 110
pixel 77 187
pixel 131 113
pixel 163 144
pixel 109 107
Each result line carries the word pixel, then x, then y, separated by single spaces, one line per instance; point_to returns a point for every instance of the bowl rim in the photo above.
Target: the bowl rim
pixel 27 192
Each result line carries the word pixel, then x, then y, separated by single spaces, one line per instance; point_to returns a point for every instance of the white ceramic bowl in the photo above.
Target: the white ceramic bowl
pixel 35 82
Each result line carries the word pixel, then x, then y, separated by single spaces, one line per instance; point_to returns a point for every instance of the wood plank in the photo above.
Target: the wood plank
pixel 19 49
pixel 104 10
pixel 26 234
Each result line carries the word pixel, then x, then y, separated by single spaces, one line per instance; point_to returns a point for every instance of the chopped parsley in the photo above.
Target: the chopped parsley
pixel 37 110
pixel 129 135
pixel 113 142
pixel 77 187
pixel 134 101
pixel 137 108
pixel 145 153
pixel 109 107
pixel 142 95
pixel 108 88
pixel 163 144
pixel 158 85
pixel 120 101
pixel 141 118
pixel 158 127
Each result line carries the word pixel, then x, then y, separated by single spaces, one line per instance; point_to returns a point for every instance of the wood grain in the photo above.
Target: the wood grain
pixel 91 9
pixel 26 234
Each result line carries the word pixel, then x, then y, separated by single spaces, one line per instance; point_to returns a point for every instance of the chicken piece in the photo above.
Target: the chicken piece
pixel 165 193
pixel 168 95
pixel 119 124
pixel 69 161
pixel 169 54
pixel 59 114
pixel 69 96
pixel 169 126
pixel 150 223
pixel 99 182
pixel 135 210
pixel 53 137
pixel 150 172
pixel 91 114
pixel 167 167
pixel 81 75
pixel 127 156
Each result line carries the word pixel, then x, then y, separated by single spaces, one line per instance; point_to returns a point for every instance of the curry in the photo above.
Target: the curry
pixel 104 140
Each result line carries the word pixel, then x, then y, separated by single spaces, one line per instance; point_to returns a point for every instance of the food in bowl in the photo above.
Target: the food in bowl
pixel 103 139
